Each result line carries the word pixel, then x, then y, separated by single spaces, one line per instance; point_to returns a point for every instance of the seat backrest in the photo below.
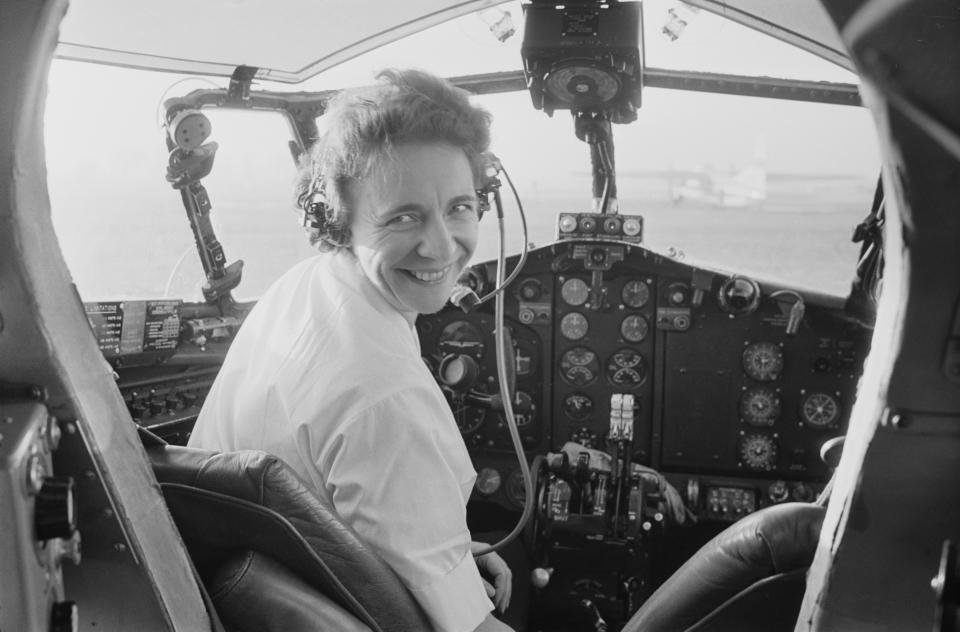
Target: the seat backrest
pixel 775 541
pixel 228 503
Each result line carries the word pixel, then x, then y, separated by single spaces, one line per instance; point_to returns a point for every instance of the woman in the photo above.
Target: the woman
pixel 326 371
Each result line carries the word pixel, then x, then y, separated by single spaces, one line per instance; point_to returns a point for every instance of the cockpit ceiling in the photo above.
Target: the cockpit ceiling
pixel 215 36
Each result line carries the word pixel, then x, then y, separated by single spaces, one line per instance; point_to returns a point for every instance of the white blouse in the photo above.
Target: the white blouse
pixel 327 375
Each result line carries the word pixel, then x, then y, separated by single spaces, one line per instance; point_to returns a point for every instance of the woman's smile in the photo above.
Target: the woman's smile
pixel 428 276
pixel 415 225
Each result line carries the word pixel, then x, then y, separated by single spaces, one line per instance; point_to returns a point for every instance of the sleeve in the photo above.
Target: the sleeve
pixel 396 473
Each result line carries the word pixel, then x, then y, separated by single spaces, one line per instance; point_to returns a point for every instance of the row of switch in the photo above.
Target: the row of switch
pixel 153 403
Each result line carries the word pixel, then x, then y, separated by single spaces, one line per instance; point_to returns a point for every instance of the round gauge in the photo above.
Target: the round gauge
pixel 524 402
pixel 763 361
pixel 635 294
pixel 634 328
pixel 758 452
pixel 461 337
pixel 488 481
pixel 819 410
pixel 574 291
pixel 577 406
pixel 582 85
pixel 626 368
pixel 579 366
pixel 459 372
pixel 760 406
pixel 469 418
pixel 574 326
pixel 515 490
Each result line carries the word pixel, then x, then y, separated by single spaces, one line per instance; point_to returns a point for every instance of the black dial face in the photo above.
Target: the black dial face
pixel 760 406
pixel 574 291
pixel 626 368
pixel 577 406
pixel 819 410
pixel 469 418
pixel 524 418
pixel 758 452
pixel 634 328
pixel 763 361
pixel 635 294
pixel 574 326
pixel 579 366
pixel 461 337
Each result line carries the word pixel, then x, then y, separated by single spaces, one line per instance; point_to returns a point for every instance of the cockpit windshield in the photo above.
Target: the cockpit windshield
pixel 767 187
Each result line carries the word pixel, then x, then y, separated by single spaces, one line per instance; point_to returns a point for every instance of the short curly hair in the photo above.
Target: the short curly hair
pixel 364 125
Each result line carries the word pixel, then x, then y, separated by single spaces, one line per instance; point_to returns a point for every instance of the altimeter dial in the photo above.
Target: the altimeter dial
pixel 760 406
pixel 758 452
pixel 819 410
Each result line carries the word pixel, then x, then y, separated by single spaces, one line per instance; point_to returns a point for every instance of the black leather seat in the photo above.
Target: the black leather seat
pixel 751 576
pixel 273 555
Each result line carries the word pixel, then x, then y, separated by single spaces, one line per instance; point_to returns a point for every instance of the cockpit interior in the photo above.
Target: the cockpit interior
pixel 705 364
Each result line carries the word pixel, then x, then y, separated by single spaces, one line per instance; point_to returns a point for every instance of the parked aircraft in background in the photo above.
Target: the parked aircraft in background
pixel 743 187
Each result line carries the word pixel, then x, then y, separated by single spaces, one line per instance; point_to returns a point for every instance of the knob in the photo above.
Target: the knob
pixel 69 549
pixel 531 290
pixel 540 577
pixel 778 491
pixel 138 410
pixel 55 514
pixel 157 406
pixel 52 433
pixel 677 293
pixel 189 398
pixel 802 493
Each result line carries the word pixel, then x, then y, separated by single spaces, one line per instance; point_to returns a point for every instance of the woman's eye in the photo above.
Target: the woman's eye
pixel 405 218
pixel 463 208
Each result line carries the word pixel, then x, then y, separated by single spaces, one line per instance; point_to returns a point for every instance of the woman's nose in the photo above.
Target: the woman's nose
pixel 438 241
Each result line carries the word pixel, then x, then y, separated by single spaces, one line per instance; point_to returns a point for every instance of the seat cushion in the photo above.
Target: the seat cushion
pixel 258 594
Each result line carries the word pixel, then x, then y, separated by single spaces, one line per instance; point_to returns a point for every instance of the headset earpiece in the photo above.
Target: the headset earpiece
pixel 316 215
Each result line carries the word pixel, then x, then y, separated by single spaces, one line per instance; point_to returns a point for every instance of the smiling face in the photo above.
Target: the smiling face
pixel 414 225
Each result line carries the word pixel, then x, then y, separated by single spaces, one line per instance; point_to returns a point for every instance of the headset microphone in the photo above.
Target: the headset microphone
pixel 464 298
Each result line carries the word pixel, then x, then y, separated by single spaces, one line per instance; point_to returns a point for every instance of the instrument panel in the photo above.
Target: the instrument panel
pixel 724 380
